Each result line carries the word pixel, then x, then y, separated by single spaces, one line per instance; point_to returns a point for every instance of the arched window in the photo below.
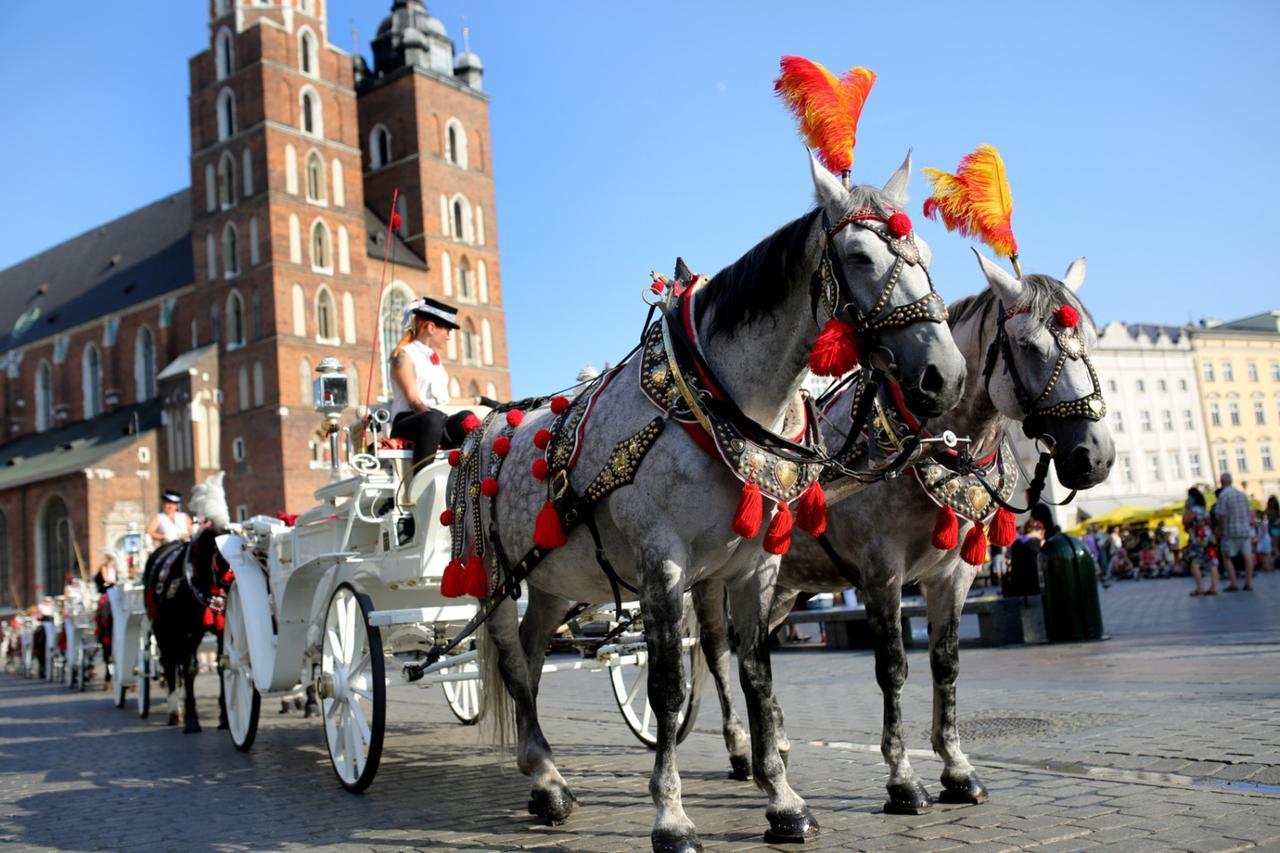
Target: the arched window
pixel 242 385
pixel 235 320
pixel 55 549
pixel 473 391
pixel 479 217
pixel 394 300
pixel 144 364
pixel 459 220
pixel 257 315
pixel 226 114
pixel 456 143
pixel 326 315
pixel 304 373
pixel 255 252
pixel 315 178
pixel 44 396
pixel 379 147
pixel 224 53
pixel 230 251
pixel 210 188
pixel 211 256
pixel 5 599
pixel 246 158
pixel 226 180
pixel 312 114
pixel 321 259
pixel 470 343
pixel 466 292
pixel 259 391
pixel 307 52
pixel 91 381
pixel 402 208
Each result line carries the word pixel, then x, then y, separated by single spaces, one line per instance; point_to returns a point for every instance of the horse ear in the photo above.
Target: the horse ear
pixel 830 191
pixel 1075 275
pixel 896 187
pixel 1005 286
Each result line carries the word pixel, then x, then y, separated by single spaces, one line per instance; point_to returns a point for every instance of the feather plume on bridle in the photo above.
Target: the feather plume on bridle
pixel 976 202
pixel 827 107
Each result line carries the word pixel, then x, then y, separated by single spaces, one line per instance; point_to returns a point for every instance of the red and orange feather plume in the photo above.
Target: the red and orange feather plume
pixel 976 201
pixel 827 106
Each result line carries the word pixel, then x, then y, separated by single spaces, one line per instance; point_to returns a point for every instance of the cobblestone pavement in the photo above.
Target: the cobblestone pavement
pixel 1162 738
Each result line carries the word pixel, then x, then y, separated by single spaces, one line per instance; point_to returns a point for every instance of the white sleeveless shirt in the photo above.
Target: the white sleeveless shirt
pixel 432 380
pixel 173 529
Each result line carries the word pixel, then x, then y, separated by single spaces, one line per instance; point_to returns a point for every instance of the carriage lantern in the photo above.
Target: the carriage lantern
pixel 330 399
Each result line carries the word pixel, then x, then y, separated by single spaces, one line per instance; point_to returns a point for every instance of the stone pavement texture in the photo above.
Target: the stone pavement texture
pixel 1164 737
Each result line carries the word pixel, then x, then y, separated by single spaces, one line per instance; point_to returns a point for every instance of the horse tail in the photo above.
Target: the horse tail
pixel 497 710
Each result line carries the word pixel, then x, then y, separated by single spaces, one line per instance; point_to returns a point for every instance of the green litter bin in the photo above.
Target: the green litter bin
pixel 1069 584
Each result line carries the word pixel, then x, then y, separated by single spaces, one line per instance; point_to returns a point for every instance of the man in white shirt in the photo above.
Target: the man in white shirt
pixel 422 383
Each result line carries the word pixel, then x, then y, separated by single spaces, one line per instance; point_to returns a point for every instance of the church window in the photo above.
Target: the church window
pixel 320 255
pixel 242 386
pixel 470 344
pixel 226 114
pixel 456 143
pixel 259 392
pixel 226 180
pixel 144 364
pixel 379 147
pixel 224 54
pixel 230 251
pixel 235 320
pixel 397 296
pixel 91 370
pixel 326 322
pixel 44 397
pixel 466 292
pixel 312 117
pixel 458 220
pixel 315 178
pixel 307 52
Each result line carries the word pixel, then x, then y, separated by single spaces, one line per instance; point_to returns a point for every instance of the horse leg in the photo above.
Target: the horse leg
pixel 709 604
pixel 222 689
pixel 783 600
pixel 543 616
pixel 751 600
pixel 189 670
pixel 170 668
pixel 945 601
pixel 550 798
pixel 907 794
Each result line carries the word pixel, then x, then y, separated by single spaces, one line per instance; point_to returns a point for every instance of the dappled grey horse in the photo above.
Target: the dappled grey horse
pixel 1024 365
pixel 754 326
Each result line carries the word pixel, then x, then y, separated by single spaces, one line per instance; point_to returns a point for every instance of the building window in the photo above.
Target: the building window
pixel 1188 420
pixel 1153 467
pixel 379 147
pixel 1112 386
pixel 1142 386
pixel 1162 386
pixel 226 180
pixel 315 178
pixel 215 317
pixel 455 389
pixel 1166 420
pixel 326 322
pixel 1117 420
pixel 144 364
pixel 456 144
pixel 470 343
pixel 242 387
pixel 44 396
pixel 1175 465
pixel 393 304
pixel 246 159
pixel 56 548
pixel 1275 371
pixel 1193 464
pixel 91 372
pixel 257 316
pixel 466 293
pixel 230 251
pixel 1208 371
pixel 224 59
pixel 1126 467
pixel 312 117
pixel 1234 409
pixel 1223 466
pixel 1228 375
pixel 321 261
pixel 1215 414
pixel 1259 412
pixel 1251 368
pixel 459 220
pixel 259 391
pixel 235 321
pixel 304 373
pixel 307 52
pixel 226 114
pixel 1182 384
pixel 1264 450
pixel 1242 459
pixel 339 187
pixel 1145 419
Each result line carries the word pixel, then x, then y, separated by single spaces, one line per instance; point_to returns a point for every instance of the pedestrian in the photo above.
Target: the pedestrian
pixel 1262 543
pixel 998 563
pixel 1023 574
pixel 1273 522
pixel 169 524
pixel 1232 512
pixel 1200 550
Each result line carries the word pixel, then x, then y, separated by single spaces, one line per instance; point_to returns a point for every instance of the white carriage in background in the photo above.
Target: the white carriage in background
pixel 80 605
pixel 134 658
pixel 349 595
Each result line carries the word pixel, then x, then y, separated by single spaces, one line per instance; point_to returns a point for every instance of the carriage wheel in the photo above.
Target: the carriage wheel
pixel 118 685
pixel 242 697
pixel 144 677
pixel 631 692
pixel 353 689
pixel 464 696
pixel 84 667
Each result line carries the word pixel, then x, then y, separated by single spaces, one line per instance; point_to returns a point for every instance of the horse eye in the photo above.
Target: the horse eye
pixel 861 259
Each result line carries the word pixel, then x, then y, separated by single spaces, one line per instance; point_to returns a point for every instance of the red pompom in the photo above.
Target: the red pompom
pixel 777 539
pixel 208 617
pixel 559 404
pixel 811 510
pixel 395 221
pixel 899 225
pixel 974 551
pixel 474 578
pixel 228 578
pixel 471 423
pixel 540 469
pixel 452 583
pixel 1066 316
pixel 446 517
pixel 946 530
pixel 219 622
pixel 1003 529
pixel 836 351
pixel 746 520
pixel 542 438
pixel 548 533
pixel 455 458
pixel 502 445
pixel 658 285
pixel 514 417
pixel 488 487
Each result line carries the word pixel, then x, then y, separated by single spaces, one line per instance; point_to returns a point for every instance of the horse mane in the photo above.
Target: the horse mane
pixel 1041 296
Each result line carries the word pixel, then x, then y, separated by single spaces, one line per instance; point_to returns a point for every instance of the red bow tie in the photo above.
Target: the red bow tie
pixel 435 359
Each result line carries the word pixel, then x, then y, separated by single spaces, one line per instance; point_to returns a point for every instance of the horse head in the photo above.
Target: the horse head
pixel 209 501
pixel 1038 371
pixel 882 289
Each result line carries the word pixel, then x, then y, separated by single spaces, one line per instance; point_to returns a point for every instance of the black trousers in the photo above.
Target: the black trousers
pixel 429 431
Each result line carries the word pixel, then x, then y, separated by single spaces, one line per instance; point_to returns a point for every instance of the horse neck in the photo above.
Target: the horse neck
pixel 976 416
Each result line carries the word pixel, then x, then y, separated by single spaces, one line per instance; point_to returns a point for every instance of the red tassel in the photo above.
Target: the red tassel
pixel 502 445
pixel 559 404
pixel 746 521
pixel 477 583
pixel 548 534
pixel 488 487
pixel 974 551
pixel 228 578
pixel 452 584
pixel 395 222
pixel 455 458
pixel 946 530
pixel 777 539
pixel 811 511
pixel 514 417
pixel 540 469
pixel 836 351
pixel 446 517
pixel 542 438
pixel 219 623
pixel 1003 529
pixel 471 423
pixel 208 618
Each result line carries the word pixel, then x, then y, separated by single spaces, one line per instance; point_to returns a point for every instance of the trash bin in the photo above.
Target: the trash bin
pixel 1069 581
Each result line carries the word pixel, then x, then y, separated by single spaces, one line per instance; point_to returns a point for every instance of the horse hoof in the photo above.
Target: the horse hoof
pixel 311 710
pixel 191 728
pixel 908 798
pixel 284 706
pixel 740 768
pixel 669 841
pixel 794 828
pixel 173 719
pixel 552 805
pixel 967 791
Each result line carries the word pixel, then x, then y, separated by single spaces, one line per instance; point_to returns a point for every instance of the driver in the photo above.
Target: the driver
pixel 421 382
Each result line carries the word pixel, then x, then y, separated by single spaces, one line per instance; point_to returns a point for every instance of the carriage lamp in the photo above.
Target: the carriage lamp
pixel 330 398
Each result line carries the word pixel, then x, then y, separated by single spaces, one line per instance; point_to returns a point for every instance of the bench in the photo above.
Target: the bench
pixel 1001 621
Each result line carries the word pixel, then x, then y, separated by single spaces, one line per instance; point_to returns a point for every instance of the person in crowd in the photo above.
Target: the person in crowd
pixel 1164 551
pixel 1200 552
pixel 422 383
pixel 104 577
pixel 1090 540
pixel 1262 543
pixel 1147 566
pixel 170 524
pixel 1023 574
pixel 1273 522
pixel 1236 537
pixel 999 564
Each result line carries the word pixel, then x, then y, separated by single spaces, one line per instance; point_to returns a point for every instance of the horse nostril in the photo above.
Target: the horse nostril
pixel 932 382
pixel 1081 459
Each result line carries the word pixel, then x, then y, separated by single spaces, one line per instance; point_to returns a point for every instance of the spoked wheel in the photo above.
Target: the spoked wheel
pixel 353 689
pixel 144 677
pixel 243 700
pixel 84 668
pixel 631 691
pixel 464 696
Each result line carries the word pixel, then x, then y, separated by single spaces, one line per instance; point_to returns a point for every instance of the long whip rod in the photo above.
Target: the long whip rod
pixel 377 317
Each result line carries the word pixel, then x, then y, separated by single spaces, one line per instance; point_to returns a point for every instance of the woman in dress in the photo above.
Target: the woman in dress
pixel 422 383
pixel 170 524
pixel 1199 552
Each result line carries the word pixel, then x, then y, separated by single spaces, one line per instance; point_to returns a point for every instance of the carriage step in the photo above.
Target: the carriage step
pixel 412 615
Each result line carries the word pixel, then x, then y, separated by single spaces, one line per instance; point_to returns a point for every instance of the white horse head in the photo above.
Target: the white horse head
pixel 209 501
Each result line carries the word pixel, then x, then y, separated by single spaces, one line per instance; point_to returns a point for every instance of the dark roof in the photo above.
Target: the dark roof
pixel 72 448
pixel 1152 330
pixel 137 257
pixel 376 232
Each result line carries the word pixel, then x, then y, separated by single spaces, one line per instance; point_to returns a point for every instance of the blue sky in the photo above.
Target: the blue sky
pixel 627 134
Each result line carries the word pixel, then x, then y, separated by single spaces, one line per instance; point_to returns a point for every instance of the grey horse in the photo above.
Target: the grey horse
pixel 885 556
pixel 671 527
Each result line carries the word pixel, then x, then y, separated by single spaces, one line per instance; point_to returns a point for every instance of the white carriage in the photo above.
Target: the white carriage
pixel 133 653
pixel 80 604
pixel 349 596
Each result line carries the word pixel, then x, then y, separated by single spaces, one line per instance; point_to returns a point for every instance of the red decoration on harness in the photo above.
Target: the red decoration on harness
pixel 899 225
pixel 658 286
pixel 452 583
pixel 502 445
pixel 540 469
pixel 228 578
pixel 477 584
pixel 542 438
pixel 746 520
pixel 777 539
pixel 946 530
pixel 471 423
pixel 836 351
pixel 1003 529
pixel 548 533
pixel 974 551
pixel 488 487
pixel 1066 316
pixel 811 510
pixel 208 617
pixel 559 404
pixel 515 417
pixel 446 517
pixel 455 458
